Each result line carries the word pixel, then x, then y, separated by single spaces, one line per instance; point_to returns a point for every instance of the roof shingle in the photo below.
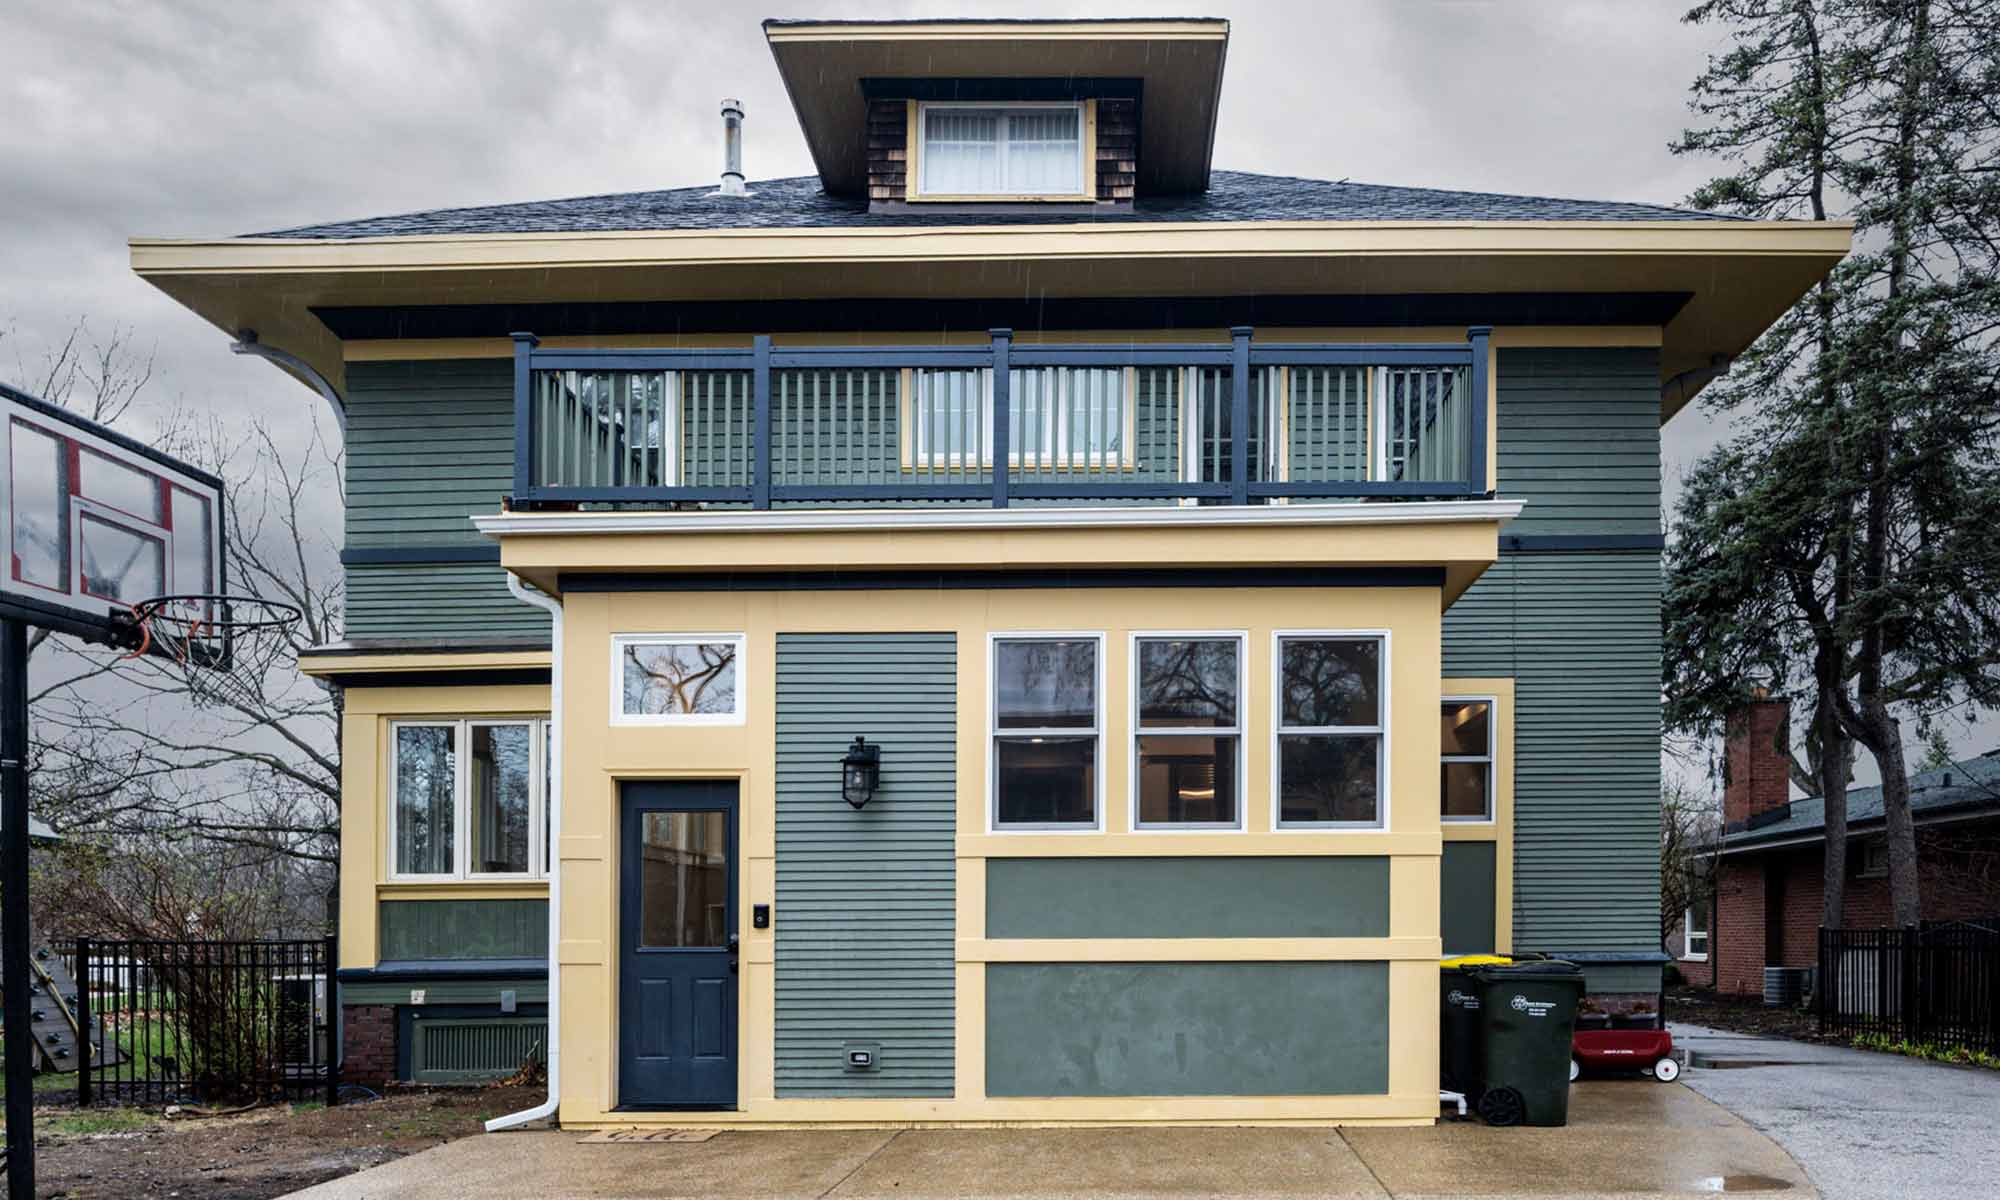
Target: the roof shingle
pixel 798 203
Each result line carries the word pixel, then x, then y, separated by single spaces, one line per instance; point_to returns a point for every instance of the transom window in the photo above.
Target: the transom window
pixel 1465 785
pixel 467 798
pixel 1331 699
pixel 1047 717
pixel 1188 726
pixel 1001 150
pixel 677 679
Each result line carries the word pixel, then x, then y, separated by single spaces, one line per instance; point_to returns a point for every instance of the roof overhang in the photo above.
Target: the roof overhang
pixel 1739 276
pixel 1176 62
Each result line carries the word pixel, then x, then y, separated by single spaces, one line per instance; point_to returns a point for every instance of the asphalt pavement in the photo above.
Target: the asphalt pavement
pixel 1864 1125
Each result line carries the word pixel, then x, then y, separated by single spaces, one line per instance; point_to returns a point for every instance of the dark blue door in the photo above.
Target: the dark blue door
pixel 677 939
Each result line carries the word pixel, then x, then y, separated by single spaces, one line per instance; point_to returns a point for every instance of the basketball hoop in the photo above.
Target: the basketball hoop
pixel 203 632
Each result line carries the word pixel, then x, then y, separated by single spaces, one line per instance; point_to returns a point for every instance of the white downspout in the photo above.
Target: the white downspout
pixel 542 600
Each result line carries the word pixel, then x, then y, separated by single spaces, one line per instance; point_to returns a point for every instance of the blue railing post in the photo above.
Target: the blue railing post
pixel 760 401
pixel 1480 336
pixel 1239 415
pixel 524 415
pixel 1002 422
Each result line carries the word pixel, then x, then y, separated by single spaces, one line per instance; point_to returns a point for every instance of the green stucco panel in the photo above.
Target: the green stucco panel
pixel 1187 897
pixel 1467 872
pixel 865 909
pixel 1187 1029
pixel 462 930
pixel 455 990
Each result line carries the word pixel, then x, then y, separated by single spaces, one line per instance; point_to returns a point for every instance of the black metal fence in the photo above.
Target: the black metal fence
pixel 1937 985
pixel 205 1022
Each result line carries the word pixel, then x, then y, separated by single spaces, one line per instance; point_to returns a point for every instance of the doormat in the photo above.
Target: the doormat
pixel 627 1137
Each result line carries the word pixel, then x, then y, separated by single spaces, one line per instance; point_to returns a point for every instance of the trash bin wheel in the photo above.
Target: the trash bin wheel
pixel 1503 1106
pixel 1575 1069
pixel 1667 1070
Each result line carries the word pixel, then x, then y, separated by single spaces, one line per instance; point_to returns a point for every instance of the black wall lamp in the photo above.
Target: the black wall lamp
pixel 860 772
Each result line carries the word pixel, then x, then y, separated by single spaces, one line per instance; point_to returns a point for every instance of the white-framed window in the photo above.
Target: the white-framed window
pixel 1045 741
pixel 467 798
pixel 677 679
pixel 1329 764
pixel 1057 417
pixel 1009 149
pixel 1187 730
pixel 1465 777
pixel 1694 930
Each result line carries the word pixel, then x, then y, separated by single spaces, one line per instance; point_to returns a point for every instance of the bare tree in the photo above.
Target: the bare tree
pixel 1690 835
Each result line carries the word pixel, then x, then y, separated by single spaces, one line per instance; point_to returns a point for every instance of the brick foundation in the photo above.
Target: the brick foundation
pixel 368 1044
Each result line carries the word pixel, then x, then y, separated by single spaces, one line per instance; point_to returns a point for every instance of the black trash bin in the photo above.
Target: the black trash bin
pixel 1459 1040
pixel 1528 1017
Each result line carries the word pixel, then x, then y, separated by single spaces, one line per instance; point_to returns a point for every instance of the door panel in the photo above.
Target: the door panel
pixel 677 956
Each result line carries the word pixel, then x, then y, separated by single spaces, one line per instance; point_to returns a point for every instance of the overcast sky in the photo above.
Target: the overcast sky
pixel 199 117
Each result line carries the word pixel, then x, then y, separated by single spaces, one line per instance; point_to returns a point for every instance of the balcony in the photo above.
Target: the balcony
pixel 997 424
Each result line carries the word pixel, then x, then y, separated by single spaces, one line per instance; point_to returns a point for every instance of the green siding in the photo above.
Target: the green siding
pixel 1467 902
pixel 430 445
pixel 1605 978
pixel 1187 897
pixel 1580 634
pixel 864 915
pixel 1187 1029
pixel 456 990
pixel 1579 440
pixel 460 930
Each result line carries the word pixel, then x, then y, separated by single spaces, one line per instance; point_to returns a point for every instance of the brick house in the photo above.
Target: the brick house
pixel 1768 885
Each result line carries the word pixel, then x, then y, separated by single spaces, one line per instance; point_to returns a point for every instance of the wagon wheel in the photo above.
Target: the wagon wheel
pixel 1502 1106
pixel 1667 1070
pixel 1575 1069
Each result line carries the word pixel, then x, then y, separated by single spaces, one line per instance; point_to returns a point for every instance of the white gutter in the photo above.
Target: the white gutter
pixel 1428 512
pixel 547 1108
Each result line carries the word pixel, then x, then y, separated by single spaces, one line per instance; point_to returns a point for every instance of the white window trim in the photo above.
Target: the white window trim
pixel 994 733
pixel 1051 451
pixel 1688 954
pixel 619 641
pixel 461 804
pixel 1384 796
pixel 1242 639
pixel 924 107
pixel 1490 758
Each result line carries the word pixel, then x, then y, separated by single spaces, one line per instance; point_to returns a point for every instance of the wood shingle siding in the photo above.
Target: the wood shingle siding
pixel 865 908
pixel 1117 149
pixel 888 149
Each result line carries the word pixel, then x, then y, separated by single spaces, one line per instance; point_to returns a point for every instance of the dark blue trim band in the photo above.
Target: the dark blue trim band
pixel 847 581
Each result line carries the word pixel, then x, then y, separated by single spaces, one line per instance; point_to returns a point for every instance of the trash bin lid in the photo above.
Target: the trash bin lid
pixel 1543 968
pixel 1473 960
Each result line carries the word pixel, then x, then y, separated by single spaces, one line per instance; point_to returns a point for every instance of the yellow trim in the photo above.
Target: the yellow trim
pixel 512 889
pixel 1013 31
pixel 912 149
pixel 333 666
pixel 1500 830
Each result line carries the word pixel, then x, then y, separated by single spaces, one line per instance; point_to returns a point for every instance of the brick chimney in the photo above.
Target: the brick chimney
pixel 1756 763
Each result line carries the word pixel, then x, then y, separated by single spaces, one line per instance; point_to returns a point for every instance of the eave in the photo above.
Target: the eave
pixel 1739 275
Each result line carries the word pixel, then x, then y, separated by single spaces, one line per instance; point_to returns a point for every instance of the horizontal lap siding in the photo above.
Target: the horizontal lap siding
pixel 1579 440
pixel 865 911
pixel 430 445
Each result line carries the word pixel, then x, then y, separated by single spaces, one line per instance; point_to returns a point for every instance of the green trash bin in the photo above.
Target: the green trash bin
pixel 1528 1013
pixel 1459 1039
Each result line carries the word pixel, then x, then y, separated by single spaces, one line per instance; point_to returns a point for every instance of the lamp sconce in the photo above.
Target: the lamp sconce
pixel 860 772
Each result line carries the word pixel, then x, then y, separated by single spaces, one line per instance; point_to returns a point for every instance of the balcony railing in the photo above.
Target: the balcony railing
pixel 998 422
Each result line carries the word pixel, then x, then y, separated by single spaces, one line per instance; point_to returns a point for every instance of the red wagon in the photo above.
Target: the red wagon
pixel 1650 1051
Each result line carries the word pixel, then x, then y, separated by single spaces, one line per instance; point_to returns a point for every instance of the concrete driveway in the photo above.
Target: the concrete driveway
pixel 1627 1138
pixel 1864 1125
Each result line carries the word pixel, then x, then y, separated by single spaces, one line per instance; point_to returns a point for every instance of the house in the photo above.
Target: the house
pixel 1020 625
pixel 1769 883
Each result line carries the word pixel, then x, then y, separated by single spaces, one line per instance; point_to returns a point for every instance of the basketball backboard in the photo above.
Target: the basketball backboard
pixel 93 522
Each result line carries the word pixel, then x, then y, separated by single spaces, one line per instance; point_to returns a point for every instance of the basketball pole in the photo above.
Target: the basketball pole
pixel 20 1074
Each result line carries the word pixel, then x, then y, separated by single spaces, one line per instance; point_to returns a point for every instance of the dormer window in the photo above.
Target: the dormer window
pixel 1002 151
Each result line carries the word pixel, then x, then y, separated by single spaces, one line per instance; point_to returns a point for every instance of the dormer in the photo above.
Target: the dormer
pixel 969 116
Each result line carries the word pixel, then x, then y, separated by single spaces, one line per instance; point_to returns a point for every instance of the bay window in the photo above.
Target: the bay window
pixel 1332 699
pixel 467 799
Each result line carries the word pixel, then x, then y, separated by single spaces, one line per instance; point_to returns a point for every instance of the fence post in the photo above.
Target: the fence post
pixel 329 969
pixel 83 1049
